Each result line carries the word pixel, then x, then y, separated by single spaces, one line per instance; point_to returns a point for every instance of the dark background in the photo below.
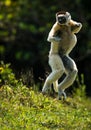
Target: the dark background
pixel 24 27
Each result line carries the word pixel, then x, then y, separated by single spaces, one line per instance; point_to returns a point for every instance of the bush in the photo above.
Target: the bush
pixel 80 91
pixel 7 77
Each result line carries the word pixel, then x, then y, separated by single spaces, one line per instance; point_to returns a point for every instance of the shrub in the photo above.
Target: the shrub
pixel 80 91
pixel 7 77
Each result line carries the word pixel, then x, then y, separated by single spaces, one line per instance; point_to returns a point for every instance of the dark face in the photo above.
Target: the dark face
pixel 62 19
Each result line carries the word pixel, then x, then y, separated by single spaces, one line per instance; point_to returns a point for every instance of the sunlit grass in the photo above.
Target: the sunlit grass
pixel 25 109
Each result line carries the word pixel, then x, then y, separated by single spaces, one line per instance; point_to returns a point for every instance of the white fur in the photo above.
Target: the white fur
pixel 61 64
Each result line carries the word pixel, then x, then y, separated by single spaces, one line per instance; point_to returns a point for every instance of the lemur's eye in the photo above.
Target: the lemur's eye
pixel 62 19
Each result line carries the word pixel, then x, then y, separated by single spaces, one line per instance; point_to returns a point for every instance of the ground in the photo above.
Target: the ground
pixel 22 108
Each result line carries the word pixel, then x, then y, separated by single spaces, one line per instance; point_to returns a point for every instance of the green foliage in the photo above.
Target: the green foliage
pixel 22 108
pixel 81 90
pixel 6 75
pixel 23 24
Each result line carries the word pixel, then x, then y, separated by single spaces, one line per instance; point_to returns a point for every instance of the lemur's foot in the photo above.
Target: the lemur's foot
pixel 62 95
pixel 45 90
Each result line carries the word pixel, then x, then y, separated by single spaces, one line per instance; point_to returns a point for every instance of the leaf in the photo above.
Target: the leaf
pixel 1 16
pixel 8 2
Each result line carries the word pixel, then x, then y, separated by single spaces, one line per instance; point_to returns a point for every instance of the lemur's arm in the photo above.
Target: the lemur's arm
pixel 75 26
pixel 52 34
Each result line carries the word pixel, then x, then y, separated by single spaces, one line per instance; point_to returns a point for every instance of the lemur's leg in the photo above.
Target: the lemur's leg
pixel 57 70
pixel 55 86
pixel 71 71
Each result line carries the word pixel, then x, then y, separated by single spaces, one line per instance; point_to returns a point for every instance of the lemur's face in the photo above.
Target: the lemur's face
pixel 64 19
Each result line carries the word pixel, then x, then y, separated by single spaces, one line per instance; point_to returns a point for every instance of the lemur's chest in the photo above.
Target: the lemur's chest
pixel 66 35
pixel 68 39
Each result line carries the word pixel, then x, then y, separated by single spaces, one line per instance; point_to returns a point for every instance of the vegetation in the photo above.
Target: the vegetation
pixel 23 108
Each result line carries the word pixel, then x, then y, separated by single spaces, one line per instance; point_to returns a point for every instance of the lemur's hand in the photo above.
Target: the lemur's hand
pixel 57 39
pixel 78 24
pixel 54 39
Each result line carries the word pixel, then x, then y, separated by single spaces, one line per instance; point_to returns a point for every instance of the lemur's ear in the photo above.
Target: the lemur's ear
pixel 67 13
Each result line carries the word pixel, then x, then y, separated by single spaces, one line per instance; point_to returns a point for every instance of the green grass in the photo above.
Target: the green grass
pixel 23 109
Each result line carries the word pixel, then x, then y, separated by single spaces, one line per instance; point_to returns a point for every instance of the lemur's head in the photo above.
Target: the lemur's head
pixel 63 17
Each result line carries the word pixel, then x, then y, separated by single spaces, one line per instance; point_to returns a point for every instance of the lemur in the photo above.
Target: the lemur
pixel 63 39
